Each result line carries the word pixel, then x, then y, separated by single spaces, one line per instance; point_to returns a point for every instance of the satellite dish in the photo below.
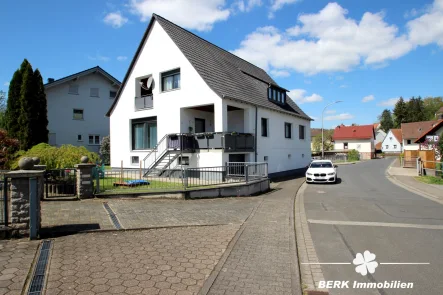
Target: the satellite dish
pixel 149 82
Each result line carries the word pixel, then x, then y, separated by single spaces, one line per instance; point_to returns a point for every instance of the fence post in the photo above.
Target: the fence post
pixel 418 166
pixel 246 173
pixel 97 179
pixel 266 170
pixel 185 171
pixel 5 199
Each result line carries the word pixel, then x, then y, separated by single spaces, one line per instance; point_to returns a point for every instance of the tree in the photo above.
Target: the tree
pixel 26 112
pixel 327 143
pixel 105 150
pixel 13 104
pixel 386 122
pixel 416 110
pixel 431 106
pixel 2 109
pixel 400 112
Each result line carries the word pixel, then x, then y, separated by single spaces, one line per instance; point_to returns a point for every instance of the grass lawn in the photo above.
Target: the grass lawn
pixel 107 184
pixel 430 179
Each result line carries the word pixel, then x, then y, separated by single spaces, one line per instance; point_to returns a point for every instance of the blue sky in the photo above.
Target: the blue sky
pixel 366 53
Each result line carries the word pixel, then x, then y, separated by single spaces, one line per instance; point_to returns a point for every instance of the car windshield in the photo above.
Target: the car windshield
pixel 321 165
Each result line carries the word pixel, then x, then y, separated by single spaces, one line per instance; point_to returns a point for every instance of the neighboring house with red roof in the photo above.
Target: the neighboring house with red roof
pixel 411 132
pixel 393 142
pixel 360 138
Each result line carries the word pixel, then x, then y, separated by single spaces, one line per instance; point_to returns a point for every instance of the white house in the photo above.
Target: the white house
pixel 77 106
pixel 379 133
pixel 412 131
pixel 185 101
pixel 359 138
pixel 393 142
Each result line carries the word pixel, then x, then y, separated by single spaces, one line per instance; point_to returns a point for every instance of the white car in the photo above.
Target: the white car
pixel 321 171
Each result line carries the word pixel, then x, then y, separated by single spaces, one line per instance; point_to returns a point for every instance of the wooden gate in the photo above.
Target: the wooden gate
pixel 410 159
pixel 426 156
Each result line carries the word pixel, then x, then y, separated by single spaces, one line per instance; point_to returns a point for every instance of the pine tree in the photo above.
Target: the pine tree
pixel 400 112
pixel 40 118
pixel 386 122
pixel 13 105
pixel 416 110
pixel 25 119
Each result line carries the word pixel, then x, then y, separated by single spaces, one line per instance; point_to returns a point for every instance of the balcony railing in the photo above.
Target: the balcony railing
pixel 144 102
pixel 232 142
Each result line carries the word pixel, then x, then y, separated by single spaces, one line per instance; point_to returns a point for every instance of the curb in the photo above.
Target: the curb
pixel 310 274
pixel 401 184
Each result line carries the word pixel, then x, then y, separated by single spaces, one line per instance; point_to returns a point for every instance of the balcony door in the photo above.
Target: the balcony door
pixel 200 125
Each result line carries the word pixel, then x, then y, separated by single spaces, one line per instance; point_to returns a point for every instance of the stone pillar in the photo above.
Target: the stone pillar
pixel 85 184
pixel 19 213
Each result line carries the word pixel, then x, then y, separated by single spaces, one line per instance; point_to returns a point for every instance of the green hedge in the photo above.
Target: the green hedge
pixel 65 156
pixel 353 156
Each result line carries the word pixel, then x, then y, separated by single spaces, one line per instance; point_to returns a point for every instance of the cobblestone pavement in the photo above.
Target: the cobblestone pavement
pixel 263 260
pixel 148 213
pixel 156 261
pixel 16 258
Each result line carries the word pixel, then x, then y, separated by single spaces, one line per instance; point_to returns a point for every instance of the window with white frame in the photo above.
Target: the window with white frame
pixel 170 80
pixel 77 114
pixel 345 145
pixel 94 139
pixel 94 92
pixel 73 89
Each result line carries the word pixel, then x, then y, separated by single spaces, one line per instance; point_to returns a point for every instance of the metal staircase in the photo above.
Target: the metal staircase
pixel 161 157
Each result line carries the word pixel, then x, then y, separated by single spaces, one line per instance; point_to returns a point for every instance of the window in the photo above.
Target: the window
pixel 135 160
pixel 144 89
pixel 144 98
pixel 79 137
pixel 77 114
pixel 288 129
pixel 301 132
pixel 265 158
pixel 264 127
pixel 94 92
pixel 94 139
pixel 409 141
pixel 277 95
pixel 112 94
pixel 144 133
pixel 345 145
pixel 390 138
pixel 395 146
pixel 170 80
pixel 73 89
pixel 183 160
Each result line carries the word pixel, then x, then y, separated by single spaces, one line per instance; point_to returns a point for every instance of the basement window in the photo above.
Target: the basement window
pixel 134 160
pixel 183 160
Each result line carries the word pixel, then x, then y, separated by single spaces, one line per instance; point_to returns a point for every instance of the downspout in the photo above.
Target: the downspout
pixel 256 134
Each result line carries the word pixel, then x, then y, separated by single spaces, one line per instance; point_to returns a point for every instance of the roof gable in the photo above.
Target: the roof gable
pixel 225 73
pixel 414 130
pixel 96 69
pixel 434 128
pixel 354 132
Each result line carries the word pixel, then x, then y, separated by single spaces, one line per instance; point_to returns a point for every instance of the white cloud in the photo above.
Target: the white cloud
pixel 428 28
pixel 330 111
pixel 281 73
pixel 343 116
pixel 277 5
pixel 122 58
pixel 327 41
pixel 344 86
pixel 247 5
pixel 99 57
pixel 368 98
pixel 389 102
pixel 6 84
pixel 299 96
pixel 115 19
pixel 200 15
pixel 307 81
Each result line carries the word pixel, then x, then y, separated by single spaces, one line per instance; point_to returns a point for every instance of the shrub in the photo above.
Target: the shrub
pixel 105 150
pixel 8 146
pixel 65 156
pixel 353 155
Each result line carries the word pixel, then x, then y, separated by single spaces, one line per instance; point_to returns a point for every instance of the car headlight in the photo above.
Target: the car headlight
pixel 333 173
pixel 308 173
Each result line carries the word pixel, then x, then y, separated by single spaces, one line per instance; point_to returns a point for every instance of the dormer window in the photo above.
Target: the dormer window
pixel 277 95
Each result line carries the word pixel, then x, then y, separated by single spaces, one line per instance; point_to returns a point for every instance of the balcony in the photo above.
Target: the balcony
pixel 144 102
pixel 229 142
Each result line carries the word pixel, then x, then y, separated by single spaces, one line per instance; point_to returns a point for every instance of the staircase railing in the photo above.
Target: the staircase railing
pixel 157 152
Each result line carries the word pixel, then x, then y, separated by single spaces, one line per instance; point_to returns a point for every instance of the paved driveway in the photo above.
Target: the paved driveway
pixel 365 211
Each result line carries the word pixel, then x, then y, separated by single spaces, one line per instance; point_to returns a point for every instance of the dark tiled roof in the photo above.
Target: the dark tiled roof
pixel 414 130
pixel 83 73
pixel 430 130
pixel 225 73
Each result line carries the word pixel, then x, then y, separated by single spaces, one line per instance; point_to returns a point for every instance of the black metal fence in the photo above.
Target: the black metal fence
pixel 60 183
pixel 137 180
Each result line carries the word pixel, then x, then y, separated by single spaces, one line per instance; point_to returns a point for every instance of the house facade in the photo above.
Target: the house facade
pixel 412 131
pixel 393 142
pixel 428 140
pixel 360 138
pixel 77 106
pixel 202 107
pixel 379 134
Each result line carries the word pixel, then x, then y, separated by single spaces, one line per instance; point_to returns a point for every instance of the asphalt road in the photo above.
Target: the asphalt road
pixel 365 211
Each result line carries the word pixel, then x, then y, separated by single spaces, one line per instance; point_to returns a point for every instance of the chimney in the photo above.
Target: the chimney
pixel 50 80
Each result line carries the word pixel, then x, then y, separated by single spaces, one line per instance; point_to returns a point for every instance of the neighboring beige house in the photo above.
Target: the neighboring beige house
pixel 360 138
pixel 413 131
